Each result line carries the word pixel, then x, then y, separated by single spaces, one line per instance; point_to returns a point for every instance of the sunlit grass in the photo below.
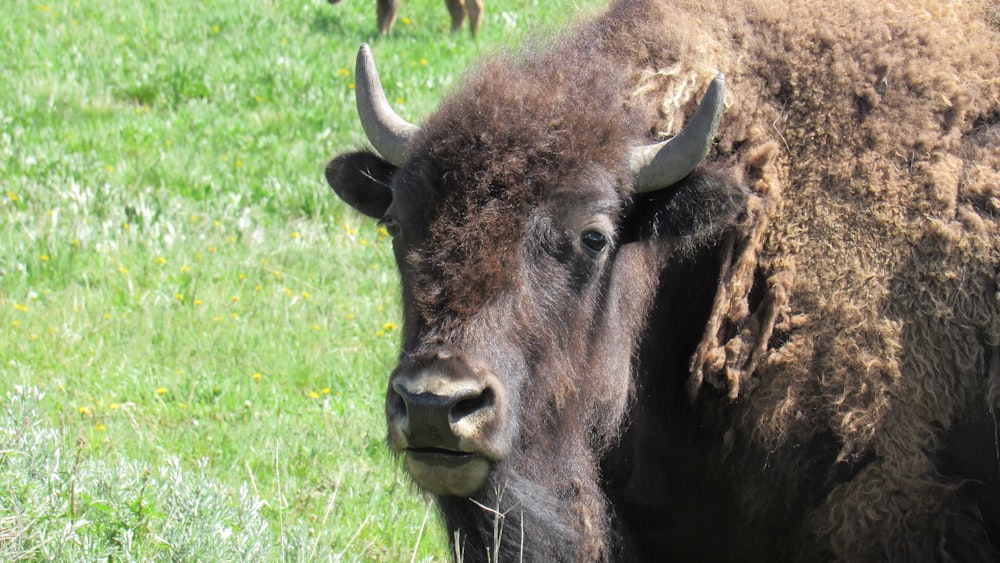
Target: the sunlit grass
pixel 176 278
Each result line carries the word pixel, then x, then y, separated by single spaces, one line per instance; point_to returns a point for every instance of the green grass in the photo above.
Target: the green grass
pixel 182 288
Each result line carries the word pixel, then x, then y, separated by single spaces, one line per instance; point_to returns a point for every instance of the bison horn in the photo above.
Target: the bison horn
pixel 389 133
pixel 662 164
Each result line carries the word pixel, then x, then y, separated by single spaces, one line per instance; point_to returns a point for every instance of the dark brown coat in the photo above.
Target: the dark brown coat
pixel 793 354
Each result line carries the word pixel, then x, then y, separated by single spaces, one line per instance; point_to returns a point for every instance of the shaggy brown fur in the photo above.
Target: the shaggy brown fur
pixel 875 246
pixel 474 141
pixel 820 385
pixel 487 172
pixel 861 299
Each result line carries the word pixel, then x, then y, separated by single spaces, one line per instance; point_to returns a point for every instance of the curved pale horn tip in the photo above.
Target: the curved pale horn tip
pixel 663 164
pixel 388 133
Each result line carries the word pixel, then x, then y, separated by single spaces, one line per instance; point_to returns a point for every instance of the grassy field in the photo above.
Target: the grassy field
pixel 194 333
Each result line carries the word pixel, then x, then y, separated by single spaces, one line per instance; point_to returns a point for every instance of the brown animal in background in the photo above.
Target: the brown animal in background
pixel 780 346
pixel 386 12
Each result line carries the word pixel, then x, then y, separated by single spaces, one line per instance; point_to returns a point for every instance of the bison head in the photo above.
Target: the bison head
pixel 531 227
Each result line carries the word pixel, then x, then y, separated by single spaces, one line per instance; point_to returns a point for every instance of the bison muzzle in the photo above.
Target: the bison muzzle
pixel 448 418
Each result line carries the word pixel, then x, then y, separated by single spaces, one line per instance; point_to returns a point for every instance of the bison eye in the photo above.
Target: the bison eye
pixel 391 226
pixel 594 240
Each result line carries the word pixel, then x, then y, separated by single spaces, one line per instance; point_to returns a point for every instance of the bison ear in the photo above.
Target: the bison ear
pixel 693 210
pixel 361 179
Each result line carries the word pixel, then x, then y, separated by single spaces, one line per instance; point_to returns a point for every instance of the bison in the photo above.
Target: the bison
pixel 703 281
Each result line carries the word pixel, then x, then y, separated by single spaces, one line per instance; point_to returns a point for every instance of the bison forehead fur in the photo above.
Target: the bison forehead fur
pixel 814 378
pixel 498 148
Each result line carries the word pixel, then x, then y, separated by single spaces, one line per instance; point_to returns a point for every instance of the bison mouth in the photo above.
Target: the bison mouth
pixel 447 472
pixel 439 456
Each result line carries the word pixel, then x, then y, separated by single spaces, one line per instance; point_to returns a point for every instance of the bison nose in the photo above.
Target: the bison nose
pixel 431 411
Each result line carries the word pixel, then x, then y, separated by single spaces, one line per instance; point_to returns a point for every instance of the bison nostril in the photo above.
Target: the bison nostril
pixel 471 405
pixel 397 403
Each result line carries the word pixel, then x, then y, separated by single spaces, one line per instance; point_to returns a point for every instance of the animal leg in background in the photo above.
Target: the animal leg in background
pixel 386 15
pixel 459 8
pixel 475 10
